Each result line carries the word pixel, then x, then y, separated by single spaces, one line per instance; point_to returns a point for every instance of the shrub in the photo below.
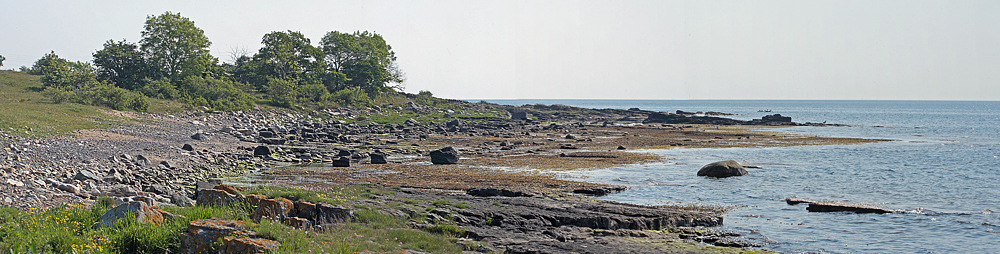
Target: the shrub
pixel 217 94
pixel 354 97
pixel 160 89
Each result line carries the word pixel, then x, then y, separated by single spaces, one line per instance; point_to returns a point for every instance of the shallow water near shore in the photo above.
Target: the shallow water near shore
pixel 941 172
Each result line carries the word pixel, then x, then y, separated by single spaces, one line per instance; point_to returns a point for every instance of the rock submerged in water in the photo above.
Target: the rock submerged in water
pixel 722 169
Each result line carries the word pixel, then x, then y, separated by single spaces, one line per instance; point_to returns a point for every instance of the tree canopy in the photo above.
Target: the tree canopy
pixel 172 61
pixel 176 47
pixel 121 63
pixel 364 58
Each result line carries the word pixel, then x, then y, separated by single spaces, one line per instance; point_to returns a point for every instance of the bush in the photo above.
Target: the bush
pixel 98 94
pixel 353 97
pixel 160 89
pixel 216 94
pixel 282 92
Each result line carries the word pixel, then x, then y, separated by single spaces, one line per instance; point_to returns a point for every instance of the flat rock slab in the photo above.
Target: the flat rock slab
pixel 838 207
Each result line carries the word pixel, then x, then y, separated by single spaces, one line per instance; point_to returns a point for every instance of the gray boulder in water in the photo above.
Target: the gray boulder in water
pixel 722 169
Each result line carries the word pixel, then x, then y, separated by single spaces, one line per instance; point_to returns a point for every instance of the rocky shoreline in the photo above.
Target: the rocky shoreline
pixel 161 158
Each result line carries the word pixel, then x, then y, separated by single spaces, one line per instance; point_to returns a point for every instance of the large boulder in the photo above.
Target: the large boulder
pixel 244 245
pixel 201 234
pixel 143 212
pixel 378 157
pixel 275 209
pixel 445 155
pixel 342 162
pixel 262 151
pixel 722 169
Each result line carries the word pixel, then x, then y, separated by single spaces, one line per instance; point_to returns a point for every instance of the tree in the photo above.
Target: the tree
pixel 364 58
pixel 59 72
pixel 1 60
pixel 177 47
pixel 289 56
pixel 121 63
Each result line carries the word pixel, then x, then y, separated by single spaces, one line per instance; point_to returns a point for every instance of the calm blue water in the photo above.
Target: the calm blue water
pixel 944 169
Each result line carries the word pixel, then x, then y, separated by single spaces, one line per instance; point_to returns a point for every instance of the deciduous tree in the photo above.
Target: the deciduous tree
pixel 122 64
pixel 177 47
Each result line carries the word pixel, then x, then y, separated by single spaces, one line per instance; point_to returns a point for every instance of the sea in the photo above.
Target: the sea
pixel 941 169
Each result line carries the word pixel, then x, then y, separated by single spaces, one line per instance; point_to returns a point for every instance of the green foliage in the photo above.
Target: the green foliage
pixel 176 47
pixel 25 112
pixel 216 94
pixel 122 63
pixel 282 92
pixel 351 97
pixel 1 60
pixel 59 72
pixel 161 89
pixel 289 56
pixel 98 93
pixel 365 58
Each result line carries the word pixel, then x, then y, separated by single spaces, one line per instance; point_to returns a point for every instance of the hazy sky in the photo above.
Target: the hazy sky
pixel 886 50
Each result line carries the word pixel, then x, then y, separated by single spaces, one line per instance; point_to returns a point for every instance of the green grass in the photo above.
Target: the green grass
pixel 68 229
pixel 25 112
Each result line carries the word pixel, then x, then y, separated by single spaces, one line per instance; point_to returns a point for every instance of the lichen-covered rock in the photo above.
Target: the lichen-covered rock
pixel 143 212
pixel 228 189
pixel 215 197
pixel 254 199
pixel 304 209
pixel 276 209
pixel 722 169
pixel 327 214
pixel 297 222
pixel 201 234
pixel 242 245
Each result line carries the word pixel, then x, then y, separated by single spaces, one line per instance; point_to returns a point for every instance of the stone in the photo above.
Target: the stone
pixel 144 213
pixel 570 136
pixel 240 245
pixel 254 199
pixel 378 157
pixel 199 136
pixel 215 197
pixel 342 162
pixel 201 234
pixel 446 155
pixel 621 148
pixel 520 115
pixel 228 189
pixel 68 188
pixel 601 190
pixel 275 209
pixel 304 209
pixel 411 122
pixel 297 222
pixel 262 151
pixel 84 175
pixel 15 183
pixel 327 214
pixel 187 147
pixel 159 189
pixel 141 161
pixel 167 164
pixel 453 123
pixel 722 169
pixel 200 186
pixel 180 199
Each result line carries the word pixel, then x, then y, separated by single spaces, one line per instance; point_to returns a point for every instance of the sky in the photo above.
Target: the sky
pixel 803 50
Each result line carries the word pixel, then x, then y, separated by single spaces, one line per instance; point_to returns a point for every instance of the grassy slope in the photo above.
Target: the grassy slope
pixel 25 112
